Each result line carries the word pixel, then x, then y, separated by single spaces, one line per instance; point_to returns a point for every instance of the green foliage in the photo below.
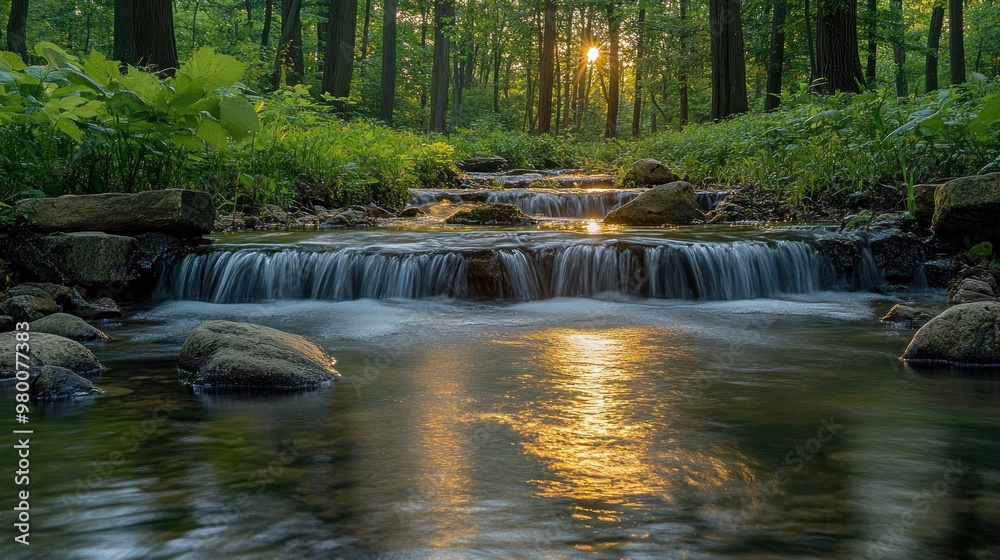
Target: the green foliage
pixel 979 252
pixel 489 137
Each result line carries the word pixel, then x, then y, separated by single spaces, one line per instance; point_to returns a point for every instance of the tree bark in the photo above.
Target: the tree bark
pixel 776 58
pixel 729 82
pixel 682 77
pixel 339 67
pixel 956 42
pixel 810 42
pixel 640 48
pixel 289 57
pixel 444 12
pixel 154 35
pixel 265 35
pixel 546 67
pixel 933 45
pixel 872 13
pixel 614 71
pixel 388 88
pixel 838 60
pixel 899 46
pixel 124 31
pixel 17 29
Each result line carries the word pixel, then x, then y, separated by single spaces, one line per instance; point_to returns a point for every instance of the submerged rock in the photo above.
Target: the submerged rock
pixel 491 214
pixel 412 212
pixel 905 315
pixel 673 203
pixel 180 212
pixel 483 164
pixel 48 350
pixel 53 383
pixel 964 335
pixel 226 355
pixel 648 172
pixel 967 208
pixel 68 326
pixel 27 303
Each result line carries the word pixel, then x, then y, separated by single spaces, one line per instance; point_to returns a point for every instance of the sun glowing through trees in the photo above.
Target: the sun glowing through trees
pixel 592 54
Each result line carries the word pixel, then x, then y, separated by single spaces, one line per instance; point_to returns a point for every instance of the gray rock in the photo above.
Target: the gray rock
pixel 673 203
pixel 898 255
pixel 964 335
pixel 648 172
pixel 483 164
pixel 184 213
pixel 26 303
pixel 86 258
pixel 492 214
pixel 940 272
pixel 923 196
pixel 275 213
pixel 412 212
pixel 68 326
pixel 967 208
pixel 48 350
pixel 970 290
pixel 226 355
pixel 904 314
pixel 6 323
pixel 53 383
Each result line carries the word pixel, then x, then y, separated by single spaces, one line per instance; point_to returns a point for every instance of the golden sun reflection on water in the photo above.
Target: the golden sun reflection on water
pixel 602 426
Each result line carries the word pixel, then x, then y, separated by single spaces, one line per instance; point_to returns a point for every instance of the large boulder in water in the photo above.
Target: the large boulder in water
pixel 27 303
pixel 647 172
pixel 47 350
pixel 91 258
pixel 964 335
pixel 483 164
pixel 673 203
pixel 492 214
pixel 226 355
pixel 55 383
pixel 68 326
pixel 180 212
pixel 966 209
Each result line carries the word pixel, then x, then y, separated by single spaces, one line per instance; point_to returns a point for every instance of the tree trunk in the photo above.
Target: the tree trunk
pixel 899 46
pixel 289 57
pixel 388 60
pixel 456 88
pixel 729 82
pixel 365 27
pixel 776 58
pixel 496 79
pixel 810 42
pixel 872 13
pixel 568 76
pixel 444 12
pixel 124 30
pixel 546 67
pixel 154 35
pixel 339 67
pixel 682 77
pixel 614 67
pixel 838 60
pixel 639 54
pixel 265 35
pixel 956 42
pixel 933 45
pixel 17 29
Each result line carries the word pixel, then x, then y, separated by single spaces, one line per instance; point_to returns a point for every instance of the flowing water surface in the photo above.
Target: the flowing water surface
pixel 600 404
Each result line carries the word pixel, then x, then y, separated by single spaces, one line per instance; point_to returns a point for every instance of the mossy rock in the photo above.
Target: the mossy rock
pixel 68 326
pixel 53 383
pixel 492 214
pixel 964 335
pixel 48 350
pixel 979 252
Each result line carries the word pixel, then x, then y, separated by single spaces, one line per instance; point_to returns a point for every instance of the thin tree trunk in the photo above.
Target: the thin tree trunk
pixel 776 58
pixel 90 20
pixel 423 45
pixel 285 60
pixel 838 60
pixel 124 30
pixel 388 99
pixel 872 11
pixel 729 82
pixel 614 67
pixel 456 96
pixel 365 29
pixel 898 46
pixel 496 79
pixel 154 35
pixel 546 68
pixel 956 42
pixel 17 28
pixel 444 12
pixel 810 43
pixel 933 46
pixel 682 77
pixel 265 35
pixel 639 56
pixel 194 25
pixel 568 78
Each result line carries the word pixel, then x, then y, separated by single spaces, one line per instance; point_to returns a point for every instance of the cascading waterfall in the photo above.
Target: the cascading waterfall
pixel 707 271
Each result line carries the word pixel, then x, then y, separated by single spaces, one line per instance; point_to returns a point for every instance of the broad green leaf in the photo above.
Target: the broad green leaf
pixel 55 56
pixel 238 117
pixel 127 105
pixel 70 128
pixel 145 85
pixel 211 69
pixel 11 61
pixel 212 133
pixel 98 68
pixel 988 116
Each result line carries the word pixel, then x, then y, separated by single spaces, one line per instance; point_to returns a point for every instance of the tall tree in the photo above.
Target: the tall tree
pixel 152 34
pixel 17 28
pixel 265 34
pixel 124 31
pixel 810 42
pixel 444 13
pixel 339 67
pixel 933 45
pixel 289 58
pixel 546 67
pixel 871 17
pixel 776 57
pixel 388 89
pixel 729 82
pixel 640 48
pixel 614 70
pixel 899 45
pixel 956 41
pixel 837 59
pixel 682 77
